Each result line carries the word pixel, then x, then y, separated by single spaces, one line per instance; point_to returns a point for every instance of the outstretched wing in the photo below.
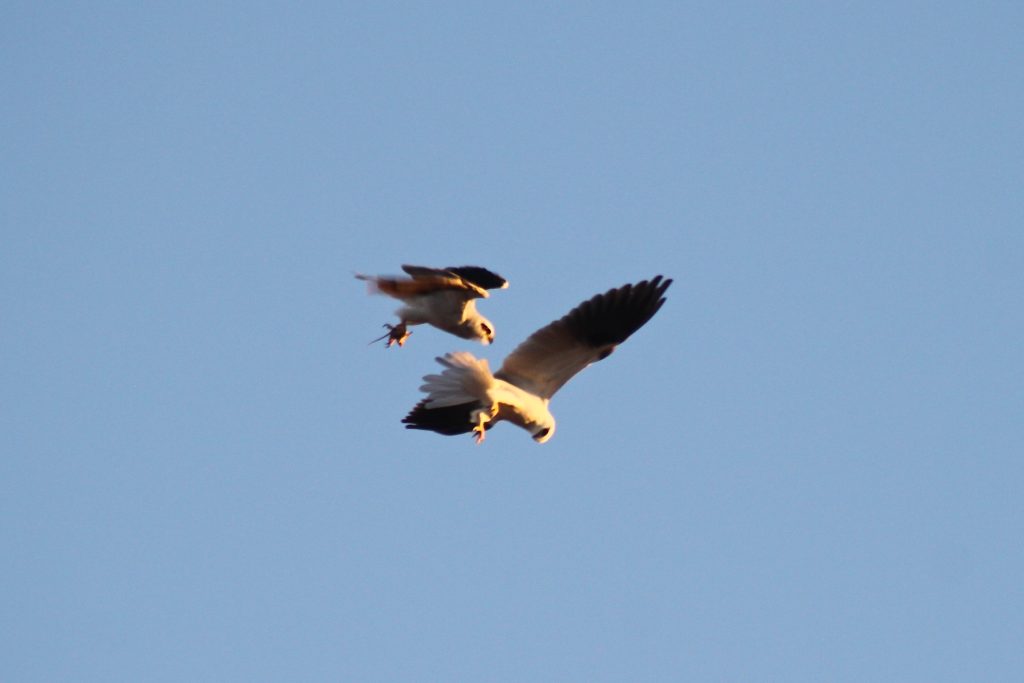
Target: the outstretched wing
pixel 426 280
pixel 590 332
pixel 481 277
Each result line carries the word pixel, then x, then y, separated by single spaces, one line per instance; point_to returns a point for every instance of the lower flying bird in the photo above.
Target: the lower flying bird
pixel 466 397
pixel 442 297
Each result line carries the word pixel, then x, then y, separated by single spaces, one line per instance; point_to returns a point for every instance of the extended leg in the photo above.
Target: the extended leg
pixel 480 418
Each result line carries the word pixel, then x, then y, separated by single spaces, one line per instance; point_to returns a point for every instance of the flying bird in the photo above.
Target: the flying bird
pixel 442 297
pixel 467 398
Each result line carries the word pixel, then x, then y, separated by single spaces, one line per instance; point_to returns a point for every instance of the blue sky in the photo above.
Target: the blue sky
pixel 807 466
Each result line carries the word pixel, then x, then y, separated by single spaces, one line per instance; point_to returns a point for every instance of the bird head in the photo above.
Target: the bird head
pixel 542 431
pixel 485 331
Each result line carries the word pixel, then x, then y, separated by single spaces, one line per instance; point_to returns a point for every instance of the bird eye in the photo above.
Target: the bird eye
pixel 486 329
pixel 542 433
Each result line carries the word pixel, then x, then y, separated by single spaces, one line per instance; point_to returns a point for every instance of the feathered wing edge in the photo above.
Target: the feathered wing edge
pixel 612 317
pixel 449 420
pixel 423 281
pixel 476 276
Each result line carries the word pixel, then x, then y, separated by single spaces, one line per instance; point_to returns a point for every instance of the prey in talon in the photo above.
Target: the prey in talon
pixel 397 334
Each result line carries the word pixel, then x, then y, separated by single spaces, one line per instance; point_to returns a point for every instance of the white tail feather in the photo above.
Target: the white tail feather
pixel 464 379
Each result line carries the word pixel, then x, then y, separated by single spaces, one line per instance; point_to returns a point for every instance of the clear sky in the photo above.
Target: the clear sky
pixel 807 467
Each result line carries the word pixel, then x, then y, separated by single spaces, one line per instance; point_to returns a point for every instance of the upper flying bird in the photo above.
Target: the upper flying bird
pixel 442 297
pixel 466 397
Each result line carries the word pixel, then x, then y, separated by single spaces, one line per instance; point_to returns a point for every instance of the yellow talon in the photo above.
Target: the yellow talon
pixel 482 418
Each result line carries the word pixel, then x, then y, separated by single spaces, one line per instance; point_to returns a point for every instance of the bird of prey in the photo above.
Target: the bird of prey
pixel 466 397
pixel 442 297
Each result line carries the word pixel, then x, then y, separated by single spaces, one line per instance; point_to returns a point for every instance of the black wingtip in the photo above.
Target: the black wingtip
pixel 481 277
pixel 449 420
pixel 611 317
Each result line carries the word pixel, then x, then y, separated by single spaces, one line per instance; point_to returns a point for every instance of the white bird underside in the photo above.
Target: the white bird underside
pixel 444 298
pixel 466 397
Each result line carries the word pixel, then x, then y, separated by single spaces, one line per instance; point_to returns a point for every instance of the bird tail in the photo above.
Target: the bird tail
pixel 465 378
pixel 372 283
pixel 395 287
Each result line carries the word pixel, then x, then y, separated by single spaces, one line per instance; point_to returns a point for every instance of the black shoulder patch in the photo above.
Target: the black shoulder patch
pixel 481 277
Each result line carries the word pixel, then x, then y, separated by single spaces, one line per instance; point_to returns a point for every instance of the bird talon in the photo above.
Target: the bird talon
pixel 482 417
